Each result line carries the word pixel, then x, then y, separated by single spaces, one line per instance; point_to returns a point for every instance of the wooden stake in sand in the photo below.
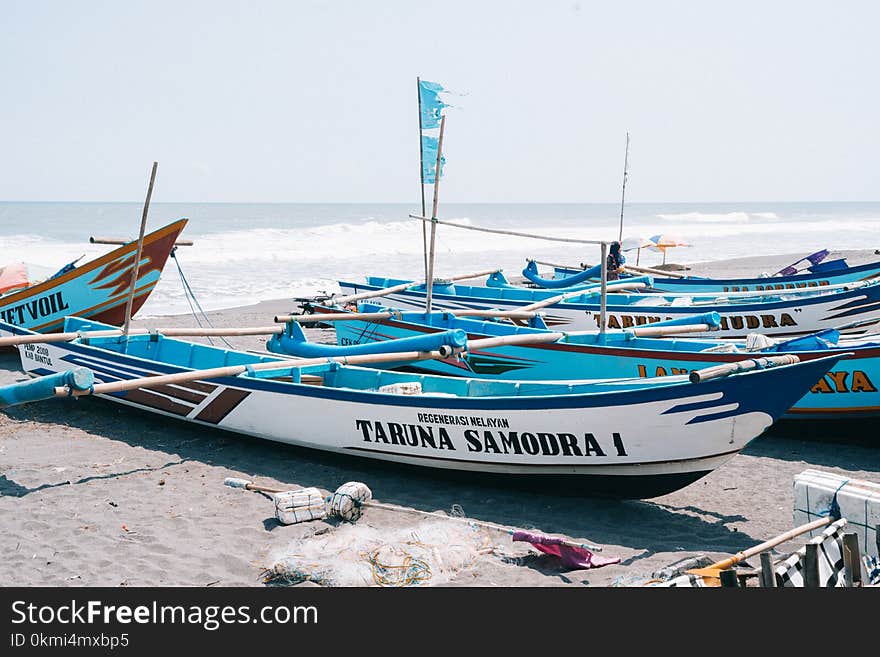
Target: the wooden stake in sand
pixel 140 250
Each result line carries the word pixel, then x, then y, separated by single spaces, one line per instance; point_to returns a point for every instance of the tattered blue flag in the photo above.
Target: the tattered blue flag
pixel 430 104
pixel 429 159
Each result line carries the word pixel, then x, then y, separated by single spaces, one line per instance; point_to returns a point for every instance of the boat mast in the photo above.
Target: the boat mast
pixel 422 176
pixel 623 193
pixel 430 277
pixel 140 250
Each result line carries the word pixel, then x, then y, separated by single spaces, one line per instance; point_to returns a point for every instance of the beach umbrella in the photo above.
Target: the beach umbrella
pixel 636 242
pixel 665 241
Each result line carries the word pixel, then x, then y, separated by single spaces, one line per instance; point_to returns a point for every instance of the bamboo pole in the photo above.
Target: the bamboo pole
pixel 287 365
pixel 614 287
pixel 422 176
pixel 140 250
pixel 48 338
pixel 603 299
pixel 403 286
pixel 714 570
pixel 120 240
pixel 235 370
pixel 512 233
pixel 716 371
pixel 349 317
pixel 430 277
pixel 650 270
pixel 623 192
pixel 581 266
pixel 628 268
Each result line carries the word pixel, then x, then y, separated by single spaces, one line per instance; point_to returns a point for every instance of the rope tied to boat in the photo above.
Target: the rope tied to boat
pixel 191 298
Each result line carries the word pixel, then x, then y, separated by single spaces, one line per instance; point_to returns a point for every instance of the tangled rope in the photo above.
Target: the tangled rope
pixel 412 572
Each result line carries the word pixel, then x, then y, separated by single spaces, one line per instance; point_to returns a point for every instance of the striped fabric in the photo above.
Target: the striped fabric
pixel 872 567
pixel 831 571
pixel 682 581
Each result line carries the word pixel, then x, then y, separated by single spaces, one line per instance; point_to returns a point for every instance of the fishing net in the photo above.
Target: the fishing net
pixel 429 553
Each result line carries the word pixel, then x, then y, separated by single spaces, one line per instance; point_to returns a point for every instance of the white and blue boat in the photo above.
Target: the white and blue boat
pixel 786 314
pixel 850 390
pixel 834 272
pixel 629 437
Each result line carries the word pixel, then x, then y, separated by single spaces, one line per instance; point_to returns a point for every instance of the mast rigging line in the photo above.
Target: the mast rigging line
pixel 510 232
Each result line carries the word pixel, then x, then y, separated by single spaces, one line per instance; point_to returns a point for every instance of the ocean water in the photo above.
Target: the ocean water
pixel 245 253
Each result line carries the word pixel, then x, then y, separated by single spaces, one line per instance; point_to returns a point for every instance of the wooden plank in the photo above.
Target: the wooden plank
pixel 729 579
pixel 768 578
pixel 811 566
pixel 852 560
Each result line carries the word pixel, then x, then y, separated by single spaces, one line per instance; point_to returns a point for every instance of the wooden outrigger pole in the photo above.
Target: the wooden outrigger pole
pixel 140 249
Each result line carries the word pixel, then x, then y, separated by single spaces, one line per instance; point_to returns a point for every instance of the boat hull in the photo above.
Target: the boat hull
pixel 850 390
pixel 97 289
pixel 633 439
pixel 711 285
pixel 773 318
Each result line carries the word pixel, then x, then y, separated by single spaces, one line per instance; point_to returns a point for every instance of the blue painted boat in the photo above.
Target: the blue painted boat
pixel 97 289
pixel 817 276
pixel 777 315
pixel 625 437
pixel 852 389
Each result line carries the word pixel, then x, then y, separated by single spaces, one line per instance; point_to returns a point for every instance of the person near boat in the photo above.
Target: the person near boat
pixel 615 261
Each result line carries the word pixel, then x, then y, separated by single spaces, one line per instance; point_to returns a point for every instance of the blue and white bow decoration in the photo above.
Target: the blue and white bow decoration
pixel 431 108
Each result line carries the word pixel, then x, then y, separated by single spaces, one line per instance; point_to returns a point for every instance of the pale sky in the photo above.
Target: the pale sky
pixel 307 101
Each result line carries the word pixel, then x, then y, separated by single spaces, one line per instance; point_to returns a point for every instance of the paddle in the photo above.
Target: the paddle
pixel 714 571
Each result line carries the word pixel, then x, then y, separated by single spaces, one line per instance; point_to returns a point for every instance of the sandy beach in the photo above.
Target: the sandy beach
pixel 95 494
